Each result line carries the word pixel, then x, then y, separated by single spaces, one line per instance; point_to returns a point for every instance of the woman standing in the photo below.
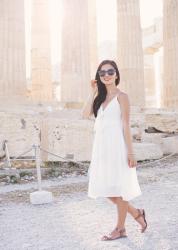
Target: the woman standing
pixel 112 171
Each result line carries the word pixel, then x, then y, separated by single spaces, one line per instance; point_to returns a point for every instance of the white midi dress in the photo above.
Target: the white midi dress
pixel 109 173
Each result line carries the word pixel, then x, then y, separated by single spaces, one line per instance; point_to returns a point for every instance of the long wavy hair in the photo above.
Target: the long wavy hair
pixel 102 91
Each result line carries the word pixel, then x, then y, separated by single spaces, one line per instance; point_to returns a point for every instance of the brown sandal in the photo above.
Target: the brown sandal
pixel 121 235
pixel 141 213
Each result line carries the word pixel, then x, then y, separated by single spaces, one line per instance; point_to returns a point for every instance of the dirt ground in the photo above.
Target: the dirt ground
pixel 75 222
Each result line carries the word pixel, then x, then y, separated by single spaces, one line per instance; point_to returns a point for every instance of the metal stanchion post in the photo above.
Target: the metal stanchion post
pixel 40 196
pixel 38 164
pixel 7 155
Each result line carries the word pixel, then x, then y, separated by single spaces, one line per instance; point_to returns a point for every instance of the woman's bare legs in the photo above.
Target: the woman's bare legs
pixel 131 210
pixel 122 208
pixel 139 215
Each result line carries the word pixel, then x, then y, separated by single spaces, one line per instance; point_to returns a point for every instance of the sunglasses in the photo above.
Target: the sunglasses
pixel 110 72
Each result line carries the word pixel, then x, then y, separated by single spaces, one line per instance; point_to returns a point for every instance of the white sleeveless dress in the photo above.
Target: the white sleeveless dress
pixel 109 173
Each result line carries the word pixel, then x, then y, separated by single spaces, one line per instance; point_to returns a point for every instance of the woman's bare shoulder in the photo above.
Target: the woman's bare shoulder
pixel 122 96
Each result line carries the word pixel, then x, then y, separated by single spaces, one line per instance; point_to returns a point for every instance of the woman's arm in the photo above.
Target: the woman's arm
pixel 125 111
pixel 87 110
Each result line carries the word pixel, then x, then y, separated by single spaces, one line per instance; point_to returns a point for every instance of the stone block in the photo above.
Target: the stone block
pixel 147 151
pixel 165 121
pixel 170 145
pixel 41 197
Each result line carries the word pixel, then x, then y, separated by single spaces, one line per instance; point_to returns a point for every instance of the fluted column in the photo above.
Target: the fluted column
pixel 93 37
pixel 150 85
pixel 75 65
pixel 170 43
pixel 130 52
pixel 41 89
pixel 12 49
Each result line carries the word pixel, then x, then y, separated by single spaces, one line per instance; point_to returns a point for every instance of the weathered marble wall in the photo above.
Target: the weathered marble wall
pixel 65 133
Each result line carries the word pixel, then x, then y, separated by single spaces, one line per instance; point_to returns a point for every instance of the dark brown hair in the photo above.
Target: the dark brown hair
pixel 102 91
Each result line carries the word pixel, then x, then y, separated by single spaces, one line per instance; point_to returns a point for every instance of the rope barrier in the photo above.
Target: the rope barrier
pixel 139 165
pixel 46 151
pixel 9 159
pixel 17 158
pixel 77 162
pixel 158 160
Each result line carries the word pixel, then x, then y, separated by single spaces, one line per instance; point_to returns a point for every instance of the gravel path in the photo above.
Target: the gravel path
pixel 75 222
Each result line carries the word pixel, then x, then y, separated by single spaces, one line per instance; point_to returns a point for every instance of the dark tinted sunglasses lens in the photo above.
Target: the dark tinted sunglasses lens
pixel 102 73
pixel 111 72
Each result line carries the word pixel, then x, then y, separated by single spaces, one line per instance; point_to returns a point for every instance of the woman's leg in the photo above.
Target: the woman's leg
pixel 119 230
pixel 131 210
pixel 122 208
pixel 139 216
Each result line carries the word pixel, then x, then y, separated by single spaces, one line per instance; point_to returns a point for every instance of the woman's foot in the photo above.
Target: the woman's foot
pixel 140 218
pixel 115 234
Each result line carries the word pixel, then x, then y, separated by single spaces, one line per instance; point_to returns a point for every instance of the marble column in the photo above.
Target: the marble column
pixel 130 52
pixel 41 88
pixel 12 50
pixel 150 84
pixel 75 63
pixel 93 37
pixel 170 43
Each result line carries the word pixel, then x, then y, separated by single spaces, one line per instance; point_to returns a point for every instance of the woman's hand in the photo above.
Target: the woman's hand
pixel 94 86
pixel 131 161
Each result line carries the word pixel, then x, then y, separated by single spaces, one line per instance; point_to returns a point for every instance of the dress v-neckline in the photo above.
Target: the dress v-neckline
pixel 108 103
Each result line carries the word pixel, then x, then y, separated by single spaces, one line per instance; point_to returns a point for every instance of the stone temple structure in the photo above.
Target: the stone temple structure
pixel 75 70
pixel 170 42
pixel 12 50
pixel 35 118
pixel 41 89
pixel 130 53
pixel 153 52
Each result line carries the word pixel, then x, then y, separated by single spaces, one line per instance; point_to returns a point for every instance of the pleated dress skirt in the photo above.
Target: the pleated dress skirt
pixel 109 173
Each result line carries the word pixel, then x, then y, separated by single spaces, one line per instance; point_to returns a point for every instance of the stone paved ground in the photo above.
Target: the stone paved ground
pixel 76 222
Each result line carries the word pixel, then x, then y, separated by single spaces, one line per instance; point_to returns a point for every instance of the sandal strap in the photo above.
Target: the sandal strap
pixel 139 214
pixel 109 237
pixel 121 230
